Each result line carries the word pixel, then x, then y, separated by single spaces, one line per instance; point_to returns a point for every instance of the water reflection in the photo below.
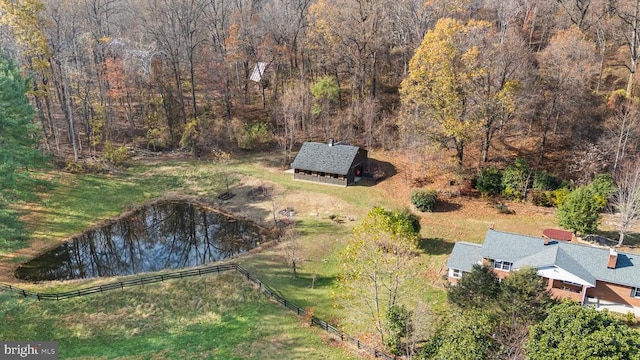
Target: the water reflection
pixel 163 236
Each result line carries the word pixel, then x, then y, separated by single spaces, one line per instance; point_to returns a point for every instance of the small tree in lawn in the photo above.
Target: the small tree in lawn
pixel 580 212
pixel 227 177
pixel 291 248
pixel 626 199
pixel 398 322
pixel 377 268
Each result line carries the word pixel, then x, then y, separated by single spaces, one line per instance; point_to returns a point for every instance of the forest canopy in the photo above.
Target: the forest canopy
pixel 541 78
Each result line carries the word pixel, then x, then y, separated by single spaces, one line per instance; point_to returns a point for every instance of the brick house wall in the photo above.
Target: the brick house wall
pixel 612 292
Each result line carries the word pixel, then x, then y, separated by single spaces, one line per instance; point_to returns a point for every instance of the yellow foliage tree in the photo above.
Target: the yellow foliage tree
pixel 378 266
pixel 435 95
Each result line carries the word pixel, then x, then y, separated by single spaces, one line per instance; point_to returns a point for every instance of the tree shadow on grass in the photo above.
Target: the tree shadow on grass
pixel 376 171
pixel 445 206
pixel 306 279
pixel 275 160
pixel 631 239
pixel 435 246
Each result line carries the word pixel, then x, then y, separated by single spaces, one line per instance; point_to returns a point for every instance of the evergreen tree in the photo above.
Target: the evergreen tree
pixel 580 212
pixel 18 145
pixel 478 289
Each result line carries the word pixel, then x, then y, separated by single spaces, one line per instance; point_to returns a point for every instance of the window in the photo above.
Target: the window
pixel 571 283
pixel 455 273
pixel 635 292
pixel 501 265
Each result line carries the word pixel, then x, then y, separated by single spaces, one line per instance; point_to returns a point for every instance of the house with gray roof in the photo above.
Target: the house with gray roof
pixel 600 276
pixel 333 163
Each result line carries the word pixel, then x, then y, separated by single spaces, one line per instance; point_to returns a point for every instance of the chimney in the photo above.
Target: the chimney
pixel 545 239
pixel 330 142
pixel 613 259
pixel 492 226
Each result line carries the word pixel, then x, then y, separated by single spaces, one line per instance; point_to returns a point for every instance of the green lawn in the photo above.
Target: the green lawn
pixel 211 317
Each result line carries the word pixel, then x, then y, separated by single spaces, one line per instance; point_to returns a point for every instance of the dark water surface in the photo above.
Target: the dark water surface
pixel 166 235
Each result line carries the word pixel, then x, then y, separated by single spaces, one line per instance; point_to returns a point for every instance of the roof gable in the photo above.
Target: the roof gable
pixel 334 159
pixel 463 255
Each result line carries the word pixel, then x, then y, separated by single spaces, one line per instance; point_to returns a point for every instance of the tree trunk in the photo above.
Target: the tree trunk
pixel 459 151
pixel 293 265
pixel 72 132
pixel 192 76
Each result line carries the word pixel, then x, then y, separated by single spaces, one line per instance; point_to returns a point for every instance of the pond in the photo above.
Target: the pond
pixel 165 235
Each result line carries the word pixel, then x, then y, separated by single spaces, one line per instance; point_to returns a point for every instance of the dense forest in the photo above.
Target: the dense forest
pixel 543 78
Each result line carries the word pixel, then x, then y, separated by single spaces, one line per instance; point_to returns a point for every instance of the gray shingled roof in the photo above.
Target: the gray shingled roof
pixel 586 262
pixel 336 159
pixel 556 256
pixel 461 255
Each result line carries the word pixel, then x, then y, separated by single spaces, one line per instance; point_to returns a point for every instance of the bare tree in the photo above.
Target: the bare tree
pixel 565 67
pixel 291 248
pixel 294 114
pixel 622 126
pixel 626 199
pixel 628 13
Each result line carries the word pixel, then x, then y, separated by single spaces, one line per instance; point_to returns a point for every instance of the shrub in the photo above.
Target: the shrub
pixel 489 181
pixel 190 136
pixel 406 215
pixel 515 179
pixel 74 167
pixel 116 156
pixel 560 195
pixel 504 209
pixel 254 135
pixel 424 200
pixel 544 181
pixel 603 188
pixel 543 198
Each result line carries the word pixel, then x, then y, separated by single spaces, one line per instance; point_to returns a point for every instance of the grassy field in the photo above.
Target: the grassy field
pixel 209 318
